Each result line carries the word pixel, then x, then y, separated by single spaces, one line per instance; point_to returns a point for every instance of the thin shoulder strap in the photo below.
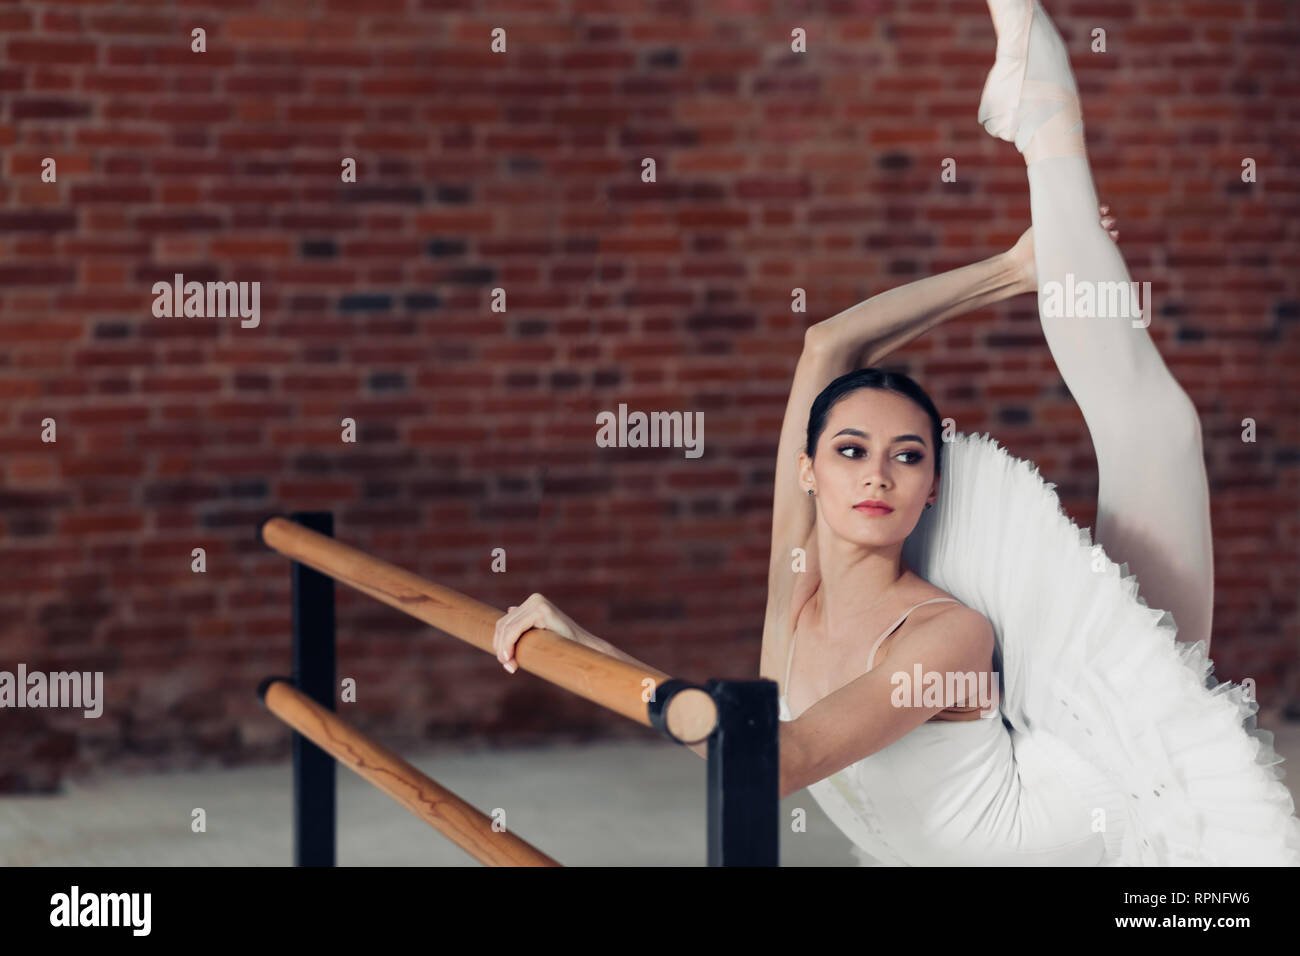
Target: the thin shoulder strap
pixel 893 627
pixel 789 659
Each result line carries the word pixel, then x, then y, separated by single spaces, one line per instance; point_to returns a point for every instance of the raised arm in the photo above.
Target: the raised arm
pixel 858 337
pixel 862 335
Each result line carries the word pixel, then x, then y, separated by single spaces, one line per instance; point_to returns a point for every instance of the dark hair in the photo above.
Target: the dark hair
pixel 886 382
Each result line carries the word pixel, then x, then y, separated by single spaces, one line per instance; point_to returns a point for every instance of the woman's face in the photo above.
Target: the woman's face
pixel 876 446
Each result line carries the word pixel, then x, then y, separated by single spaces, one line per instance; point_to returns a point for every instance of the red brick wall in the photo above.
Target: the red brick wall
pixel 479 170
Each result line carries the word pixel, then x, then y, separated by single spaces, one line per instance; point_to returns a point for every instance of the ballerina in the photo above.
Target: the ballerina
pixel 1106 746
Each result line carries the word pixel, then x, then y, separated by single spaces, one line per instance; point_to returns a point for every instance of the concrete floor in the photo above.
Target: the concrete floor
pixel 619 804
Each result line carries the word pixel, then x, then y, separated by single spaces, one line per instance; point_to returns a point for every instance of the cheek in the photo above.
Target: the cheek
pixel 919 487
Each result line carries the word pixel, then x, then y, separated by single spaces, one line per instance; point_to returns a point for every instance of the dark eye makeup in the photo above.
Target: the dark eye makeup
pixel 917 456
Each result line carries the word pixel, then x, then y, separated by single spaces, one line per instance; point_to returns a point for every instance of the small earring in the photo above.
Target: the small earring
pixel 929 505
pixel 810 491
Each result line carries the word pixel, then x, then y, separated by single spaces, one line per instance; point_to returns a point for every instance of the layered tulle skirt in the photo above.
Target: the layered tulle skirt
pixel 1093 679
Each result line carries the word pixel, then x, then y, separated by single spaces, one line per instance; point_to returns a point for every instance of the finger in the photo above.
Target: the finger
pixel 520 625
pixel 502 644
pixel 1108 221
pixel 1104 209
pixel 504 623
pixel 1114 234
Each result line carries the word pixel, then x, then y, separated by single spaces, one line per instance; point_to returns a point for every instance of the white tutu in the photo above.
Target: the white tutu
pixel 1094 681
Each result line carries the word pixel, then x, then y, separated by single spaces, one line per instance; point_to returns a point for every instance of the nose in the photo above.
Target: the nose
pixel 875 474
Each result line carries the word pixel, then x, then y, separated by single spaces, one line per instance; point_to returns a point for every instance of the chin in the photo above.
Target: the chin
pixel 879 539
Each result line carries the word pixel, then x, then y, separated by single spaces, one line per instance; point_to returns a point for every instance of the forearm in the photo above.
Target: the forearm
pixel 605 647
pixel 872 329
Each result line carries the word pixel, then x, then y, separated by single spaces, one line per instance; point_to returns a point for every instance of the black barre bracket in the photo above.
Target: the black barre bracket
pixel 744 775
pixel 658 706
pixel 315 813
pixel 743 771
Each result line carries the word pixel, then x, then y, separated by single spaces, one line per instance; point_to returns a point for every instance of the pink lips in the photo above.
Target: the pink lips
pixel 873 507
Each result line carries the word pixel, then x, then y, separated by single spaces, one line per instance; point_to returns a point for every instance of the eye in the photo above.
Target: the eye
pixel 916 457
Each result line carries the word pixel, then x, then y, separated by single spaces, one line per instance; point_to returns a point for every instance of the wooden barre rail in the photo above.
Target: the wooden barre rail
pixel 463 824
pixel 691 715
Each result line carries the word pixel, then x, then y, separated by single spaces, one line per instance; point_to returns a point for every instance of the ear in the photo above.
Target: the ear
pixel 805 472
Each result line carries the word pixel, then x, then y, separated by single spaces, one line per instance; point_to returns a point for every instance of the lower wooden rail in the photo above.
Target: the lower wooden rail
pixel 464 825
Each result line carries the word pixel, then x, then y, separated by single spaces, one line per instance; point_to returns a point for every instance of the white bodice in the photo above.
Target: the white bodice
pixel 955 793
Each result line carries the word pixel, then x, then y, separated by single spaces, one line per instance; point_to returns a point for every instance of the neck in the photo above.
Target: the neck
pixel 853 579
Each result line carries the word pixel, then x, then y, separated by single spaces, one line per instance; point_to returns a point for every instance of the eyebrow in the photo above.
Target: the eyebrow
pixel 862 434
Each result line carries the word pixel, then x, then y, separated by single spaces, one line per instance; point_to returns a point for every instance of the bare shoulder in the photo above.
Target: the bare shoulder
pixel 953 619
pixel 964 630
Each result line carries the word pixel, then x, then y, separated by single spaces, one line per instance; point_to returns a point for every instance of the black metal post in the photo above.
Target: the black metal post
pixel 744 827
pixel 314 804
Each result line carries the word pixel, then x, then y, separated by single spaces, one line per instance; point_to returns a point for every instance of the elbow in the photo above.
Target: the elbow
pixel 829 345
pixel 815 338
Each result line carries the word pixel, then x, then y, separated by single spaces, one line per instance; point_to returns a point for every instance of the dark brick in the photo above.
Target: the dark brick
pixel 445 248
pixel 379 193
pixel 453 195
pixel 249 488
pixel 319 249
pixel 108 331
pixel 522 379
pixel 663 59
pixel 1006 340
pixel 312 463
pixel 737 321
pixel 37 220
pixel 479 275
pixel 419 302
pixel 365 303
pixel 49 109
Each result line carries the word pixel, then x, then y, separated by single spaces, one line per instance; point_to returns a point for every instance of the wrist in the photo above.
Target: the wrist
pixel 1014 278
pixel 591 641
pixel 588 639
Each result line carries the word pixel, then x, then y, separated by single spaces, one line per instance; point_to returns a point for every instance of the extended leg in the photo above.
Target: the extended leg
pixel 1153 496
pixel 1153 507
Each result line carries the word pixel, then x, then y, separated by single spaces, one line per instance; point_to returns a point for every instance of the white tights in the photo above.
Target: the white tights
pixel 1153 508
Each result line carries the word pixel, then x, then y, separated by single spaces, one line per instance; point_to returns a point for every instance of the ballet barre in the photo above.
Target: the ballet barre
pixel 737 718
pixel 433 803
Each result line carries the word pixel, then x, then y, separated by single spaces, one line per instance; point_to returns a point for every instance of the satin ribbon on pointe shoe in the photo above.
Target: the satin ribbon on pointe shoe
pixel 1061 134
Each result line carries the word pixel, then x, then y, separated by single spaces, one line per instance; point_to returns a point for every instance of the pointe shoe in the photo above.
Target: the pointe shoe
pixel 998 110
pixel 1041 116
